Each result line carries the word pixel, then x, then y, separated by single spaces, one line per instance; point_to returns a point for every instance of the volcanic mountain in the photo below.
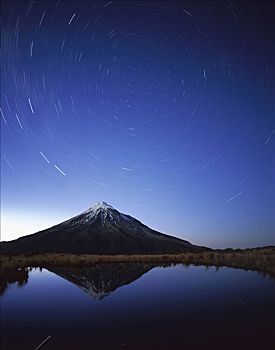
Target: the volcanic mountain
pixel 99 230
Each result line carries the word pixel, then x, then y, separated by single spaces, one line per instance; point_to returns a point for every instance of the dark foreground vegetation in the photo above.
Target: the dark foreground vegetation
pixel 256 259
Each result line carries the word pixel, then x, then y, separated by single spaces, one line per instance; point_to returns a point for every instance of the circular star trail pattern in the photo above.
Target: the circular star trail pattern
pixel 163 109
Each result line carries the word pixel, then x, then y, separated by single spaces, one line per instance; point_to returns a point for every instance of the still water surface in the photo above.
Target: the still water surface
pixel 138 306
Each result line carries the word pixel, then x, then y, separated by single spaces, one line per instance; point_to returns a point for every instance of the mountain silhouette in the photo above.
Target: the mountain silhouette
pixel 99 230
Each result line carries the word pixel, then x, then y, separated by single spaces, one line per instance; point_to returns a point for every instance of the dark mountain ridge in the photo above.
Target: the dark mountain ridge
pixel 99 230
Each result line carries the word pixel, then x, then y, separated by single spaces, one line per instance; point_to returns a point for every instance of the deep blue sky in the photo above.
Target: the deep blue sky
pixel 165 110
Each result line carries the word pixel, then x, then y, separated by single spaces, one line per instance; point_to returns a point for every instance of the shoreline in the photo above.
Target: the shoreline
pixel 256 259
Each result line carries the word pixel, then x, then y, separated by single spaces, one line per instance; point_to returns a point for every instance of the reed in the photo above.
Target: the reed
pixel 257 259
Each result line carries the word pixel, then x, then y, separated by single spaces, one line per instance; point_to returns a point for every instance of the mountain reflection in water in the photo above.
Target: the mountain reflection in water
pixel 102 279
pixel 98 281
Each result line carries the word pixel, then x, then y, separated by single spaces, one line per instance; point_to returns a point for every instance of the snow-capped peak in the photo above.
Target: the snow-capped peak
pixel 101 205
pixel 102 212
pixel 100 209
pixel 98 206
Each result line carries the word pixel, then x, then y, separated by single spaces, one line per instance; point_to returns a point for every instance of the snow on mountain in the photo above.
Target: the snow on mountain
pixel 101 212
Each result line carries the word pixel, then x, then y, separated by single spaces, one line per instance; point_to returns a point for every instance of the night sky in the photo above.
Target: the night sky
pixel 165 110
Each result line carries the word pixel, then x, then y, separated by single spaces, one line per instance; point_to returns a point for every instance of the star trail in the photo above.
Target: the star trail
pixel 164 109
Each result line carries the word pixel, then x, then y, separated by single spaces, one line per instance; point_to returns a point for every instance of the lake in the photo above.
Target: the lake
pixel 137 306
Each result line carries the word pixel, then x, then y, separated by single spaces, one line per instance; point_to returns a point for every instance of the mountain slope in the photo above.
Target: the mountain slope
pixel 99 230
